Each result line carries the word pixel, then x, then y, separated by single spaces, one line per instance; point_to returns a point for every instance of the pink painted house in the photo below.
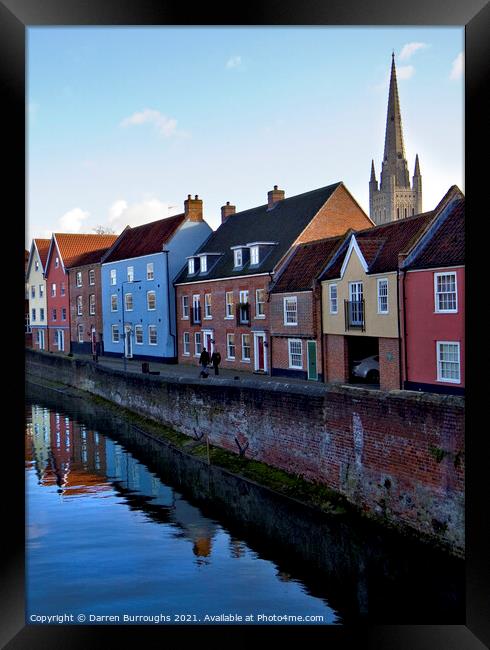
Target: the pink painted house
pixel 432 304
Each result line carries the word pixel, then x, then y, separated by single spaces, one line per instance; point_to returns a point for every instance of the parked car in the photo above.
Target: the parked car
pixel 367 368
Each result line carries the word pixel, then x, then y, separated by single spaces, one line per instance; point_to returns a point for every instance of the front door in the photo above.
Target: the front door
pixel 312 369
pixel 208 341
pixel 60 340
pixel 128 343
pixel 260 358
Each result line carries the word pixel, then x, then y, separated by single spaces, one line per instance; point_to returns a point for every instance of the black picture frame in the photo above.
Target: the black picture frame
pixel 474 15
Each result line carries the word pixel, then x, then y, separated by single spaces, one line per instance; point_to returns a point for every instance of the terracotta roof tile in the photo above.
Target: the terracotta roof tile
pixel 73 246
pixel 444 244
pixel 43 248
pixel 306 263
pixel 146 239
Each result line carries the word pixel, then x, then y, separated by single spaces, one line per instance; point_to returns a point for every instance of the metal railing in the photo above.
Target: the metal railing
pixel 243 313
pixel 354 311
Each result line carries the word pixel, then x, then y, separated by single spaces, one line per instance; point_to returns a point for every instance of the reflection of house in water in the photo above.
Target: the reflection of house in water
pixel 66 454
pixel 143 490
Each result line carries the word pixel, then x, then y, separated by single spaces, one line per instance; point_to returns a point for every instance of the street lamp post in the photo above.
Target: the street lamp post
pixel 123 323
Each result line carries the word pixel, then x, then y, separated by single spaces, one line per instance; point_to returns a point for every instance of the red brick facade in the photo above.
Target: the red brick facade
pixel 336 358
pixel 219 325
pixel 58 304
pixel 308 328
pixel 337 215
pixel 85 319
pixel 389 363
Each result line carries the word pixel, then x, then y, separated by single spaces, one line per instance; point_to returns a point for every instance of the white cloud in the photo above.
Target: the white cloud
pixel 165 126
pixel 457 67
pixel 405 72
pixel 122 214
pixel 234 62
pixel 410 48
pixel 72 220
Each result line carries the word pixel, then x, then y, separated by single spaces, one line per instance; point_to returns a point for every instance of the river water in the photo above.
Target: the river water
pixel 121 526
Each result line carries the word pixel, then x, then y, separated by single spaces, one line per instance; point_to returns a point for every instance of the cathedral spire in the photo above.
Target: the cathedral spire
pixel 373 173
pixel 394 147
pixel 417 166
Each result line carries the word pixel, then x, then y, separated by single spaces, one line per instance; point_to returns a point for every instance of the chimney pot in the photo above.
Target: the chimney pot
pixel 274 196
pixel 193 208
pixel 226 211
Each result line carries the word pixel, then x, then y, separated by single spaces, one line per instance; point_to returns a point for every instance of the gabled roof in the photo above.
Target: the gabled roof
pixel 146 239
pixel 42 248
pixel 305 265
pixel 381 245
pixel 443 244
pixel 92 257
pixel 73 246
pixel 282 224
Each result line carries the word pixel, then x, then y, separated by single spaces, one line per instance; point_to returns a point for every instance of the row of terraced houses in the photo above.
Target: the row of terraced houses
pixel 303 286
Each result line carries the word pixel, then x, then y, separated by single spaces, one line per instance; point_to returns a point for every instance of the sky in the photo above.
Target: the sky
pixel 124 123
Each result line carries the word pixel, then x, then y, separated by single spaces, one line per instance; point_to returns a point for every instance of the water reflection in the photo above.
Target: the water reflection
pixel 196 539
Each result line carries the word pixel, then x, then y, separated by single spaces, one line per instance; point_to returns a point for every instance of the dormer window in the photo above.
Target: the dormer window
pixel 191 266
pixel 204 264
pixel 254 255
pixel 238 257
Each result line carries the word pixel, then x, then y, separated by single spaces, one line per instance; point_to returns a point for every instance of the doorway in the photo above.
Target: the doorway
pixel 128 342
pixel 312 361
pixel 207 336
pixel 260 357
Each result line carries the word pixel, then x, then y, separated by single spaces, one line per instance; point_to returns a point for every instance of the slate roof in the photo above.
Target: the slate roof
pixel 444 243
pixel 306 263
pixel 146 239
pixel 382 244
pixel 92 257
pixel 282 224
pixel 72 247
pixel 42 246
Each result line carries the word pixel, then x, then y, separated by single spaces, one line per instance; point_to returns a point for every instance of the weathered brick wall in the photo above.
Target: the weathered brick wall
pixel 389 363
pixel 336 358
pixel 86 319
pixel 339 213
pixel 399 455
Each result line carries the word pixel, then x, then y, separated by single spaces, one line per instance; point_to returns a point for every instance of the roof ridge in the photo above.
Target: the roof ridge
pixel 150 223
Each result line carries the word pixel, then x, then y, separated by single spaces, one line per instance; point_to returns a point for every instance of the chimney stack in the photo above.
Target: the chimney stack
pixel 226 210
pixel 274 196
pixel 193 208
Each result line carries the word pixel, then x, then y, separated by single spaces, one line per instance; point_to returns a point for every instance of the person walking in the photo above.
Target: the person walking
pixel 216 360
pixel 204 360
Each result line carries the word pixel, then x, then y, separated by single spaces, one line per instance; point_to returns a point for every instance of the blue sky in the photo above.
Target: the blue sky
pixel 124 123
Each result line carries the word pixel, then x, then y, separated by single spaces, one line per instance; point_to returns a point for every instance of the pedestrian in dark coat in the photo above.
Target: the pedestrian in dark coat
pixel 204 360
pixel 216 360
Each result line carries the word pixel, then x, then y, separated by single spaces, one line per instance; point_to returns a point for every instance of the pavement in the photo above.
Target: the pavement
pixel 187 370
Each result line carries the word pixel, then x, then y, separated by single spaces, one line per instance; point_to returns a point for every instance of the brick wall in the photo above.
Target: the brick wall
pixel 336 358
pixel 389 363
pixel 86 319
pixel 398 455
pixel 220 325
pixel 336 216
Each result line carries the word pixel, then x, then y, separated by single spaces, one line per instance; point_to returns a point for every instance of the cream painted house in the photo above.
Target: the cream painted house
pixel 360 312
pixel 36 288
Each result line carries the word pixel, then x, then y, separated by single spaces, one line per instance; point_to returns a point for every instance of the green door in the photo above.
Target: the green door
pixel 312 371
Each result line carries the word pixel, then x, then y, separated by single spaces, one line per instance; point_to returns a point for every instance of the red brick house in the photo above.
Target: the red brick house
pixel 295 310
pixel 432 291
pixel 86 302
pixel 222 294
pixel 64 252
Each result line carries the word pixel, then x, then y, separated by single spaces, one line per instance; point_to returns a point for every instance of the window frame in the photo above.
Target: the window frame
pixel 91 277
pixel 79 279
pixel 79 306
pixel 126 308
pixel 186 344
pixel 208 305
pixel 438 362
pixel 285 311
pixel 254 253
pixel 185 307
pixel 148 308
pixel 237 253
pixel 91 304
pixel 203 264
pixel 197 334
pixel 249 358
pixel 152 327
pixel 115 328
pixel 331 299
pixel 113 277
pixel 152 265
pixel 231 314
pixel 53 290
pixel 259 314
pixel 114 295
pixel 228 355
pixel 80 332
pixel 290 354
pixel 379 281
pixel 138 328
pixel 130 274
pixel 437 294
pixel 191 266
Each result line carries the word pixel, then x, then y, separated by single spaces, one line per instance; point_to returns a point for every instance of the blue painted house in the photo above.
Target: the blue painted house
pixel 138 297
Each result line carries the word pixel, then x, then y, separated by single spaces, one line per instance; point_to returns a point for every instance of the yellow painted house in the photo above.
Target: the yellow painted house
pixel 36 290
pixel 361 335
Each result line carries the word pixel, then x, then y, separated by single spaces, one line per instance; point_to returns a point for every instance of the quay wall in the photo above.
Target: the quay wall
pixel 398 455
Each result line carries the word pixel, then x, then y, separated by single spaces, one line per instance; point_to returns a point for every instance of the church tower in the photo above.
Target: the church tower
pixel 394 199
